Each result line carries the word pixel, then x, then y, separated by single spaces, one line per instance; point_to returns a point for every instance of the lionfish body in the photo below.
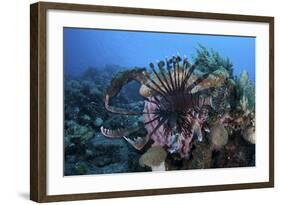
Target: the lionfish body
pixel 175 115
pixel 176 107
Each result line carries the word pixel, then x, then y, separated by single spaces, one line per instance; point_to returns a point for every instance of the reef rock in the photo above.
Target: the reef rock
pixel 110 156
pixel 218 136
pixel 201 156
pixel 154 158
pixel 98 122
pixel 249 135
pixel 236 153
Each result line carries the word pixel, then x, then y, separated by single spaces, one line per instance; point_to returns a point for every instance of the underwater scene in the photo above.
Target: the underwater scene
pixel 138 101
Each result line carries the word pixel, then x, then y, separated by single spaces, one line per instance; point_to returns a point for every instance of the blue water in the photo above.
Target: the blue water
pixel 85 48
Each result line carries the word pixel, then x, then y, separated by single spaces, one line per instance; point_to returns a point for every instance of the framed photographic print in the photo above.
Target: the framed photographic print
pixel 134 102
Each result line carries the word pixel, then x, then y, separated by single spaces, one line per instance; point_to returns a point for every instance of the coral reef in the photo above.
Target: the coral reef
pixel 249 135
pixel 218 136
pixel 87 151
pixel 246 92
pixel 211 60
pixel 177 115
pixel 154 158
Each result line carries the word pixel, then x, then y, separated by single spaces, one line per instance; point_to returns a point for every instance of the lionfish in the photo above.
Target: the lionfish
pixel 176 108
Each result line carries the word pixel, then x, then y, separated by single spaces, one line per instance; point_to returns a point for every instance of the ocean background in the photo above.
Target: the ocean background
pixel 84 48
pixel 92 58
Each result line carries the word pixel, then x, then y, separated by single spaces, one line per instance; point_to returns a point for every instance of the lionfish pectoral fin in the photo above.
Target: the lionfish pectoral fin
pixel 118 82
pixel 138 143
pixel 111 133
pixel 118 132
pixel 118 110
